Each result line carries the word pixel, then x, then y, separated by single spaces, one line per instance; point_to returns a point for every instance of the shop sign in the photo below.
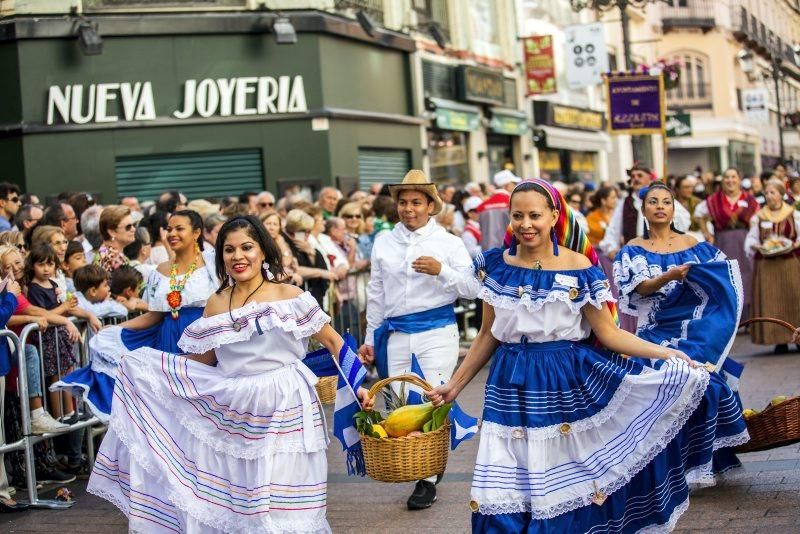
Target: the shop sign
pixel 136 101
pixel 479 85
pixel 549 160
pixel 447 156
pixel 679 125
pixel 581 119
pixel 508 125
pixel 582 162
pixel 635 104
pixel 587 58
pixel 462 121
pixel 540 66
pixel 754 104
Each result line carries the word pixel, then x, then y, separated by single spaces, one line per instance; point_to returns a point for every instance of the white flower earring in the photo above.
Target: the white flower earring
pixel 265 267
pixel 230 280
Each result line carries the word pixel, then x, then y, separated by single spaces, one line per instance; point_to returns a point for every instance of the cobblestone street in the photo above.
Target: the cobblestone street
pixel 762 497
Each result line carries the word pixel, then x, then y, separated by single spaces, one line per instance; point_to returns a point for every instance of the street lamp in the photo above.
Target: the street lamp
pixel 622 5
pixel 747 65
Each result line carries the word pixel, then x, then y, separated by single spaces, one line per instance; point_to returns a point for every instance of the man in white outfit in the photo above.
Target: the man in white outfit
pixel 418 271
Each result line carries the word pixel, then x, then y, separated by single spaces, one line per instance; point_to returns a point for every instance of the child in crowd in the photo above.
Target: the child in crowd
pixel 126 286
pixel 74 259
pixel 58 352
pixel 94 294
pixel 24 314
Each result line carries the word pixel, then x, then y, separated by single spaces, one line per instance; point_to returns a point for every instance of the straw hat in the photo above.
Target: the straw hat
pixel 415 180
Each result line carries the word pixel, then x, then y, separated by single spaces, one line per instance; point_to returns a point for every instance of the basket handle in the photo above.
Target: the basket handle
pixel 768 320
pixel 412 379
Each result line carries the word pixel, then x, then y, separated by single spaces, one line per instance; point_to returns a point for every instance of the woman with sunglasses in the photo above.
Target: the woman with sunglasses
pixel 175 292
pixel 118 231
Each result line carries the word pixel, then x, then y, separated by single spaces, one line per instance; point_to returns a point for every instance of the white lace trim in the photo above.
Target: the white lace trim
pixel 701 477
pixel 732 441
pixel 553 431
pixel 100 365
pixel 281 314
pixel 685 409
pixel 185 500
pixel 669 526
pixel 507 302
pixel 230 447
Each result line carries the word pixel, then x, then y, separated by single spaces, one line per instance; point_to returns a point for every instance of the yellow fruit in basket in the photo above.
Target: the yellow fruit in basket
pixel 748 413
pixel 777 400
pixel 408 419
pixel 378 429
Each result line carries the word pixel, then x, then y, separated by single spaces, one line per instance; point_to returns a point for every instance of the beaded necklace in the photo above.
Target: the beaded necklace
pixel 174 298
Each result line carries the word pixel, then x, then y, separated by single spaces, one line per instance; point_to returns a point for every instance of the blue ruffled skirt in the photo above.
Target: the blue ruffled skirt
pixel 95 382
pixel 575 439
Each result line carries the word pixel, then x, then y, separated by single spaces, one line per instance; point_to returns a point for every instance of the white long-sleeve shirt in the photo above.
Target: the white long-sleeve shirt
pixel 396 289
pixel 613 237
pixel 106 308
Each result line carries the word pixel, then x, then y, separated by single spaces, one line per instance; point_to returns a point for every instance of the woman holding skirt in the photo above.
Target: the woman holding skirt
pixel 688 295
pixel 776 284
pixel 231 438
pixel 574 438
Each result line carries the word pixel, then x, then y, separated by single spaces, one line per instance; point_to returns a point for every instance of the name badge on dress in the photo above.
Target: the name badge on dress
pixel 565 280
pixel 766 225
pixel 742 203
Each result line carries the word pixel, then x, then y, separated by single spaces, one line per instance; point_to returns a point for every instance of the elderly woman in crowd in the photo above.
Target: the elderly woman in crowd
pixel 341 249
pixel 118 231
pixel 774 241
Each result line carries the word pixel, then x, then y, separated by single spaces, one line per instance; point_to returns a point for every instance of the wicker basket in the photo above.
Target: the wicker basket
pixel 406 459
pixel 326 389
pixel 775 427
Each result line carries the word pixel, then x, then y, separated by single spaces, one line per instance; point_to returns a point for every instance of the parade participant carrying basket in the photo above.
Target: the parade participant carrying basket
pixel 418 271
pixel 574 438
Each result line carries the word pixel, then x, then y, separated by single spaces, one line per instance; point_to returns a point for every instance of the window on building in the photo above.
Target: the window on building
pixel 694 87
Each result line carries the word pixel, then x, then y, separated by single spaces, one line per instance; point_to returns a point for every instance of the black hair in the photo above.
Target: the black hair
pixel 601 194
pixel 738 172
pixel 154 223
pixel 458 201
pixel 255 229
pixel 125 277
pixel 663 187
pixel 54 214
pixel 680 180
pixel 196 221
pixel 244 198
pixel 140 238
pixel 6 188
pixel 89 276
pixel 73 247
pixel 41 253
pixel 525 187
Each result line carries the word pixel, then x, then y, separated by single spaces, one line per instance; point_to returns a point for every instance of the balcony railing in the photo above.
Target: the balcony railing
pixel 698 14
pixel 690 95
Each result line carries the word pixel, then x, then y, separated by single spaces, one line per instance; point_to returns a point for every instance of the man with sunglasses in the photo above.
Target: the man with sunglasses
pixel 265 201
pixel 9 205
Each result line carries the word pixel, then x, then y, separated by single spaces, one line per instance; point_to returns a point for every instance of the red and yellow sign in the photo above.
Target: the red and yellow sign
pixel 540 66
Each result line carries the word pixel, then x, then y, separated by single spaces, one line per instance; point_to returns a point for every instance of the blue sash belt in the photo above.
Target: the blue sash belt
pixel 413 323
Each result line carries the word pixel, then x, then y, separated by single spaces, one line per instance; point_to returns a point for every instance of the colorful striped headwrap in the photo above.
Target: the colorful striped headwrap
pixel 568 232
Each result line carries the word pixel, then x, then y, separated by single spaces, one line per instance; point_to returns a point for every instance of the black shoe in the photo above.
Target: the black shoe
pixel 52 475
pixel 782 349
pixel 423 497
pixel 439 478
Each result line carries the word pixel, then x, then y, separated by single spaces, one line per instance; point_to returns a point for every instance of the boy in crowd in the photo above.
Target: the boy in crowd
pixel 94 292
pixel 126 283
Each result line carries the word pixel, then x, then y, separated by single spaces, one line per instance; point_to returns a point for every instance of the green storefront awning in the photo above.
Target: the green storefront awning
pixel 509 122
pixel 455 116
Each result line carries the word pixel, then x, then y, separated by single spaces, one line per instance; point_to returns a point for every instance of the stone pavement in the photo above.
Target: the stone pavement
pixel 764 496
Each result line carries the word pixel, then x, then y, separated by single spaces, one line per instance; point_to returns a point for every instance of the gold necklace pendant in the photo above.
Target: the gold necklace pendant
pixel 537 265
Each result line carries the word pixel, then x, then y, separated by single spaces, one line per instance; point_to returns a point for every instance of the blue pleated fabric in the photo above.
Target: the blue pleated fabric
pixel 95 382
pixel 700 316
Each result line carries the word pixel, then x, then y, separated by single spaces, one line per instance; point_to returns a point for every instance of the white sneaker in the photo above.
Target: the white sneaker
pixel 45 423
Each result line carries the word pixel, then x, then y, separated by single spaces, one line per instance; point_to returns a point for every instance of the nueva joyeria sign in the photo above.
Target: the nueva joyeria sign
pixel 134 101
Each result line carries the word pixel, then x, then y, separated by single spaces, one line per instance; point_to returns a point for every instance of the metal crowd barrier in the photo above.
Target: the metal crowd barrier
pixel 29 439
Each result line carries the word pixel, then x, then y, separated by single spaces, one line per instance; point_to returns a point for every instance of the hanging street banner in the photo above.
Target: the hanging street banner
pixel 635 104
pixel 586 55
pixel 540 66
pixel 679 125
pixel 754 104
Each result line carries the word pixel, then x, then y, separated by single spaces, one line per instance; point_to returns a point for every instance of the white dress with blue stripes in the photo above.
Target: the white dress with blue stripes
pixel 574 439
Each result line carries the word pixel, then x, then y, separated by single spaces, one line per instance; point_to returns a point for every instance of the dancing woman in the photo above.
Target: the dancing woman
pixel 574 439
pixel 175 294
pixel 688 295
pixel 230 438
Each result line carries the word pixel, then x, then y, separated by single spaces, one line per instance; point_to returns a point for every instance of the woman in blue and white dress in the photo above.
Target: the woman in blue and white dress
pixel 175 293
pixel 574 438
pixel 688 295
pixel 230 437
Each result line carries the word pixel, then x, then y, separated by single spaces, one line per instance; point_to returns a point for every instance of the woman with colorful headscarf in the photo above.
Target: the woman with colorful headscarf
pixel 574 438
pixel 688 295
